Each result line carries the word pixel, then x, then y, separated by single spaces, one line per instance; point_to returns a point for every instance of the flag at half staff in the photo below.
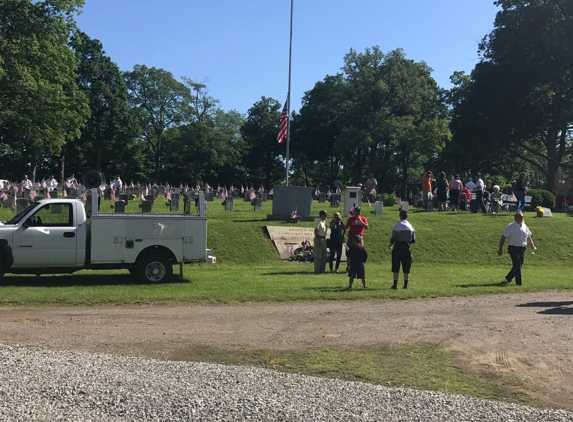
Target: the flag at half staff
pixel 283 124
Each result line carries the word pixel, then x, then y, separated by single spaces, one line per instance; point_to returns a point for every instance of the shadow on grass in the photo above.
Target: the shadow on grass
pixel 554 308
pixel 335 289
pixel 500 284
pixel 78 280
pixel 309 272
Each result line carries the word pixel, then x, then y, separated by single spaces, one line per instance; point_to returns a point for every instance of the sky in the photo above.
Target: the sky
pixel 240 48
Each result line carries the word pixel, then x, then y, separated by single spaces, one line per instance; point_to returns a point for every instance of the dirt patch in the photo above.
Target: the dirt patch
pixel 526 336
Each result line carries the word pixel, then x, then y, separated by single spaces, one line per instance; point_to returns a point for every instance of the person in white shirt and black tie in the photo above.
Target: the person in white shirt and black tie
pixel 518 237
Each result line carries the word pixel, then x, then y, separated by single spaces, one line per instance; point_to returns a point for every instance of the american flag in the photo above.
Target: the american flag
pixel 252 195
pixel 283 124
pixel 3 196
pixel 223 194
pixel 33 193
pixel 271 192
pixel 242 189
pixel 317 192
pixel 261 189
pixel 399 202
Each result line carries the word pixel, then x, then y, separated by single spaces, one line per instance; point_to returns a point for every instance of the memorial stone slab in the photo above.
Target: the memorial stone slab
pixel 107 194
pixel 236 193
pixel 130 191
pixel 146 207
pixel 81 190
pixel 119 207
pixel 38 198
pixel 54 194
pixel 21 204
pixel 73 193
pixel 378 207
pixel 321 197
pixel 8 202
pixel 247 197
pixel 26 194
pixel 258 204
pixel 187 205
pixel 210 197
pixel 174 205
pixel 404 206
pixel 286 199
pixel 149 198
pixel 286 239
pixel 124 197
pixel 176 196
pixel 547 213
pixel 264 197
pixel 229 205
pixel 430 206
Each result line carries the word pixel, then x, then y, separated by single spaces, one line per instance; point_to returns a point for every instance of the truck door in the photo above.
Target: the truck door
pixel 47 239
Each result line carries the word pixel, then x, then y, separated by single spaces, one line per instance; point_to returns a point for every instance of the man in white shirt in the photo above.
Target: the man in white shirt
pixel 117 184
pixel 26 184
pixel 518 237
pixel 470 184
pixel 478 190
pixel 51 182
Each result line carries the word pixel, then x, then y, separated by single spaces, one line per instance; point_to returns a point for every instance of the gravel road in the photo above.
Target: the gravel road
pixel 115 363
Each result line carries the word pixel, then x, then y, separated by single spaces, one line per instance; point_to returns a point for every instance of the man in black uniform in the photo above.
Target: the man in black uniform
pixel 403 234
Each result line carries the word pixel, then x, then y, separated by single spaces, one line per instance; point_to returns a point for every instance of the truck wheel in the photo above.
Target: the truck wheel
pixel 1 270
pixel 155 269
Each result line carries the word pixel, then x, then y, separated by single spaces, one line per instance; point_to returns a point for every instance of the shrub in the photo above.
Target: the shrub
pixel 541 197
pixel 390 199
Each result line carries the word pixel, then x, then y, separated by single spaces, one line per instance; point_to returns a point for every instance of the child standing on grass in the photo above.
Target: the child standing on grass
pixel 357 256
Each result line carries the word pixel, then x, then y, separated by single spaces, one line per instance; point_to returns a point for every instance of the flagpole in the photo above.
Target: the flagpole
pixel 288 95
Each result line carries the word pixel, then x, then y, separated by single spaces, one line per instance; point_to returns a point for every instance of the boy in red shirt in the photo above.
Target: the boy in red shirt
pixel 355 227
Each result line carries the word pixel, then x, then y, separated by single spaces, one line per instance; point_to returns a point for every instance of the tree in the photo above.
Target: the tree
pixel 112 129
pixel 161 102
pixel 41 107
pixel 522 88
pixel 262 159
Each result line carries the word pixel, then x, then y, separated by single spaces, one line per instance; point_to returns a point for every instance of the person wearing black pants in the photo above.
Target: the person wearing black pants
pixel 403 235
pixel 337 230
pixel 518 237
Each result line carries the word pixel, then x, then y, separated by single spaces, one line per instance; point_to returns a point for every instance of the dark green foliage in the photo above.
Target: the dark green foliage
pixel 541 197
pixel 390 199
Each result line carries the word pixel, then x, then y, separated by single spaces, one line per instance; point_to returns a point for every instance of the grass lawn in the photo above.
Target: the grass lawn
pixel 455 255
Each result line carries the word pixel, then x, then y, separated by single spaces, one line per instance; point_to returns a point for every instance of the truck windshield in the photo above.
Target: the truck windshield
pixel 21 214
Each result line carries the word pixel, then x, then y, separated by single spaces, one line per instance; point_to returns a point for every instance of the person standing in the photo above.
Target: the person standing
pixel 337 230
pixel 355 225
pixel 518 237
pixel 442 191
pixel 519 190
pixel 403 235
pixel 455 188
pixel 371 184
pixel 427 180
pixel 320 229
pixel 117 184
pixel 479 190
pixel 26 184
pixel 357 255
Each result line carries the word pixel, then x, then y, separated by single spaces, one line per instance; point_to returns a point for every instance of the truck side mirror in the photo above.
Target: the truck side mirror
pixel 27 223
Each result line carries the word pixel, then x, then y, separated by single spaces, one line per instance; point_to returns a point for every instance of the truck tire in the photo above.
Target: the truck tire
pixel 1 271
pixel 155 269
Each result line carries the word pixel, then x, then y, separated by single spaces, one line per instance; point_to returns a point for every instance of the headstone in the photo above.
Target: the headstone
pixel 210 197
pixel 321 197
pixel 119 207
pixel 123 197
pixel 286 199
pixel 187 205
pixel 258 204
pixel 21 204
pixel 72 193
pixel 334 200
pixel 547 212
pixel 264 197
pixel 149 198
pixel 38 198
pixel 146 207
pixel 161 190
pixel 8 202
pixel 176 196
pixel 81 190
pixel 176 190
pixel 130 191
pixel 247 197
pixel 26 194
pixel 430 206
pixel 380 197
pixel 107 194
pixel 229 205
pixel 54 194
pixel 174 205
pixel 236 193
pixel 405 206
pixel 57 208
pixel 378 207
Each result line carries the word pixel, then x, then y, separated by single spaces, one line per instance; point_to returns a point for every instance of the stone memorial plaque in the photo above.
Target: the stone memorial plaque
pixel 8 202
pixel 54 194
pixel 21 204
pixel 547 212
pixel 26 194
pixel 72 193
pixel 236 193
pixel 38 198
pixel 146 207
pixel 321 197
pixel 174 204
pixel 264 197
pixel 107 194
pixel 187 205
pixel 288 238
pixel 378 207
pixel 430 206
pixel 176 196
pixel 246 197
pixel 258 205
pixel 210 197
pixel 404 206
pixel 229 204
pixel 119 207
pixel 124 197
pixel 149 198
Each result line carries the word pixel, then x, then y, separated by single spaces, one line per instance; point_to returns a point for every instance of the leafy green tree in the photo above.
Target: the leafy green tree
pixel 41 106
pixel 161 102
pixel 263 162
pixel 112 129
pixel 521 91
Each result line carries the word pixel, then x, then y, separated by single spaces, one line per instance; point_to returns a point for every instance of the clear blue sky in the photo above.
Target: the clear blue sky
pixel 240 47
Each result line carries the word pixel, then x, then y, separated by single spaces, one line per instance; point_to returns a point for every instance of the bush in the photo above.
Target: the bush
pixel 541 197
pixel 390 199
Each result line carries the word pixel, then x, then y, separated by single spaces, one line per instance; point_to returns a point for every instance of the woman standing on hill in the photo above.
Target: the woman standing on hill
pixel 442 191
pixel 337 230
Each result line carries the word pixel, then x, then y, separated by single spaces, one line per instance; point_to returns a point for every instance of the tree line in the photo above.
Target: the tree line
pixel 66 107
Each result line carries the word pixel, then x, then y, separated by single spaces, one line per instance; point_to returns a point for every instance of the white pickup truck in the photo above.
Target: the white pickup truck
pixel 55 236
